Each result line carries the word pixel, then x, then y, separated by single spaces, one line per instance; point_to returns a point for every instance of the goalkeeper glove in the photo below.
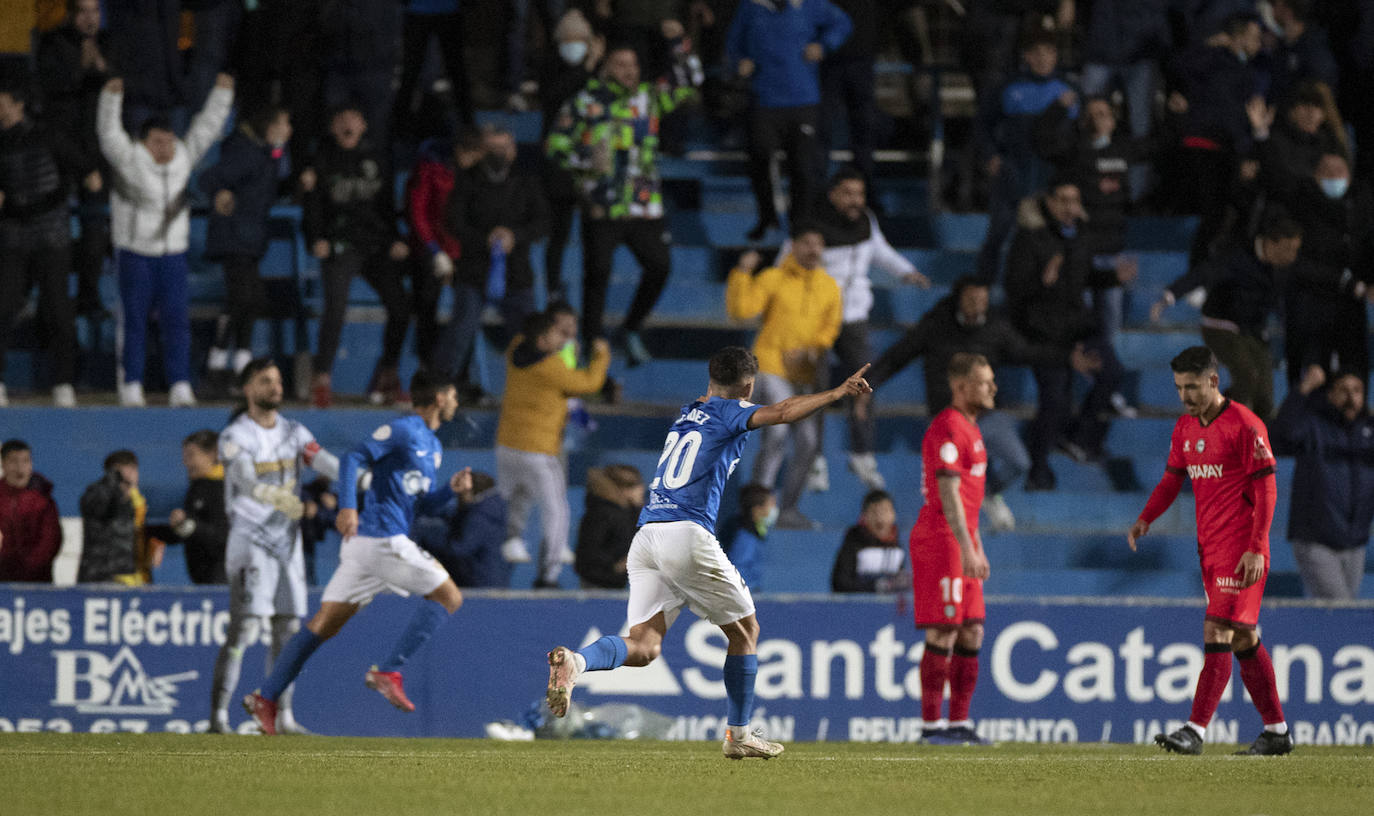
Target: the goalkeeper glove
pixel 282 498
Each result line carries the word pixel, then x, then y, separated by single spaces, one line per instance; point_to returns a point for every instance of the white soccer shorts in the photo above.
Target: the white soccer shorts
pixel 678 563
pixel 260 584
pixel 369 566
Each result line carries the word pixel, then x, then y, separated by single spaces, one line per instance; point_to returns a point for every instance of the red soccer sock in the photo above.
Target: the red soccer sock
pixel 1257 672
pixel 963 676
pixel 934 672
pixel 1216 673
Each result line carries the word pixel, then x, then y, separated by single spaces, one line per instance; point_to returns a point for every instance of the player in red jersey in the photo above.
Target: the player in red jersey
pixel 1224 448
pixel 947 561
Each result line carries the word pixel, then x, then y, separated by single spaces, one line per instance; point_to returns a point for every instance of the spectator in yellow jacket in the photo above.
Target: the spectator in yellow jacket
pixel 529 436
pixel 800 305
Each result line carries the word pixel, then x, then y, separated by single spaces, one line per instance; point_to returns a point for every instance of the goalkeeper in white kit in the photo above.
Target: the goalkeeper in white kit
pixel 264 456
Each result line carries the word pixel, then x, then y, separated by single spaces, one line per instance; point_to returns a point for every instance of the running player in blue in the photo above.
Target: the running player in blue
pixel 675 560
pixel 377 554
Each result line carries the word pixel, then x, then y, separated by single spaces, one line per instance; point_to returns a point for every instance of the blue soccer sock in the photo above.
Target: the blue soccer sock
pixel 740 671
pixel 290 662
pixel 422 624
pixel 605 653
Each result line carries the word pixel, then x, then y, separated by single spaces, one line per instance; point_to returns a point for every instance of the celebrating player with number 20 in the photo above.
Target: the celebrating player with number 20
pixel 675 559
pixel 1224 448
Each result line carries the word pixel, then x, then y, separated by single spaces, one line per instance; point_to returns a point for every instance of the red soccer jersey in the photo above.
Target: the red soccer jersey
pixel 952 445
pixel 1225 459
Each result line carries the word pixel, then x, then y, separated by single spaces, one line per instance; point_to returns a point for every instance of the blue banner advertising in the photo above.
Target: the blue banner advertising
pixel 109 659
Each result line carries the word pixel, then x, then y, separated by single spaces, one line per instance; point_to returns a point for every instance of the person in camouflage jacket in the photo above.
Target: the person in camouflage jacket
pixel 607 136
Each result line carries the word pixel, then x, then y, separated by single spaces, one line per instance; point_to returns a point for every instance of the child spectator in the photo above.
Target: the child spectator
pixel 115 544
pixel 200 523
pixel 615 495
pixel 30 534
pixel 870 559
pixel 743 536
pixel 467 534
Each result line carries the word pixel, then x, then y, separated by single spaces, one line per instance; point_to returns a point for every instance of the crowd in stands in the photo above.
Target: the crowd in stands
pixel 1250 114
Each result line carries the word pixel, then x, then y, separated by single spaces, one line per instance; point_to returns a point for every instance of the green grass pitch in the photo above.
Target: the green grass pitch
pixel 116 774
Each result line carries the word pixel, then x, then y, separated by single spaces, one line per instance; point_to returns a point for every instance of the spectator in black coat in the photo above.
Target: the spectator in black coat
pixel 360 49
pixel 871 559
pixel 317 522
pixel 1214 81
pixel 1126 41
pixel 1303 52
pixel 1331 433
pixel 115 546
pixel 37 167
pixel 615 495
pixel 349 219
pixel 1241 286
pixel 963 322
pixel 243 185
pixel 1289 150
pixel 1325 314
pixel 496 211
pixel 1048 272
pixel 73 65
pixel 200 522
pixel 847 82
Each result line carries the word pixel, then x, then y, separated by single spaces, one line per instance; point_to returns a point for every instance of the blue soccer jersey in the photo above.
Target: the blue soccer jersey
pixel 404 455
pixel 698 457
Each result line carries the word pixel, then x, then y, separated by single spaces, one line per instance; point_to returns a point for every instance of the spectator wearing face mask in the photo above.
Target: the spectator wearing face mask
pixel 243 184
pixel 1326 320
pixel 1309 128
pixel 496 212
pixel 743 536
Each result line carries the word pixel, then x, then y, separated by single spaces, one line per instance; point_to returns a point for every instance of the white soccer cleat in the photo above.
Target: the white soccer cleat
pixel 181 395
pixel 64 396
pixel 865 466
pixel 131 395
pixel 562 678
pixel 1000 518
pixel 751 745
pixel 514 550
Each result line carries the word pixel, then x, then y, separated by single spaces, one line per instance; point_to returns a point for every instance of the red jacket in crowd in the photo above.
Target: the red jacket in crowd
pixel 427 199
pixel 32 534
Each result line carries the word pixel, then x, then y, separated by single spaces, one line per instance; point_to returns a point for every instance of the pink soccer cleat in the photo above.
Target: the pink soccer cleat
pixel 263 711
pixel 390 686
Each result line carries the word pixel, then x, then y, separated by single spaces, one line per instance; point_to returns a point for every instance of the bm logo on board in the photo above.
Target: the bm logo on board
pixel 93 683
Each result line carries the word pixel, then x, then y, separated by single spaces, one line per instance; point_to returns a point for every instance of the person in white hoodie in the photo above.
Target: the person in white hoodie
pixel 853 243
pixel 149 226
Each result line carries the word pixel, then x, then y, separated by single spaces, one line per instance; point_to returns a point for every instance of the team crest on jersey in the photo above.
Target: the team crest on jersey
pixel 1261 449
pixel 1187 445
pixel 949 453
pixel 977 445
pixel 382 434
pixel 1201 445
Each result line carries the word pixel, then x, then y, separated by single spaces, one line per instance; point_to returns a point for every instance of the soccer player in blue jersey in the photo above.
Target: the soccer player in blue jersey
pixel 377 554
pixel 675 560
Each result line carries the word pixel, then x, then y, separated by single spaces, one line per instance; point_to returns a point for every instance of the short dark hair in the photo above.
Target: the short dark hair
pixel 803 227
pixel 623 476
pixel 204 439
pixel 13 446
pixel 1038 35
pixel 1238 22
pixel 872 497
pixel 1195 360
pixel 123 456
pixel 262 118
pixel 1280 227
pixel 536 324
pixel 254 367
pixel 350 105
pixel 1302 9
pixel 157 121
pixel 425 388
pixel 732 365
pixel 751 496
pixel 968 282
pixel 469 138
pixel 561 307
pixel 16 87
pixel 847 173
pixel 962 363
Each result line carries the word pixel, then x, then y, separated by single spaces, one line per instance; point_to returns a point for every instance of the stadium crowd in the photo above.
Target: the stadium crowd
pixel 1248 113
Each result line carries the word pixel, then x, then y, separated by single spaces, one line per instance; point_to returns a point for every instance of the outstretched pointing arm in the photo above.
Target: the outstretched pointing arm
pixel 802 406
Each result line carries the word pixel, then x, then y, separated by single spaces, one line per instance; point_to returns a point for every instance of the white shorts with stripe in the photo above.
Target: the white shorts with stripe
pixel 369 566
pixel 679 563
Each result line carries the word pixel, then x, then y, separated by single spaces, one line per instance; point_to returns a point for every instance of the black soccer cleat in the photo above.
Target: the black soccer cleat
pixel 1270 744
pixel 1183 741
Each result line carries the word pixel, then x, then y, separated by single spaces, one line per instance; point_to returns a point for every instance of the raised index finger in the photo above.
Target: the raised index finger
pixel 863 370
